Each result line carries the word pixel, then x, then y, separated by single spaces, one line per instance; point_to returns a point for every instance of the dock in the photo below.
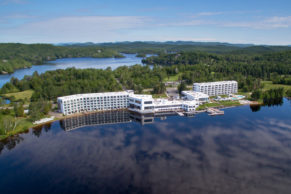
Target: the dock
pixel 214 112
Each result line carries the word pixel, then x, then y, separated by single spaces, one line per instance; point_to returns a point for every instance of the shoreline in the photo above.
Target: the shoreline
pixel 58 118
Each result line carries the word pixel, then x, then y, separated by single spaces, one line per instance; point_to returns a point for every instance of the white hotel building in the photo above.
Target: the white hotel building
pixel 216 88
pixel 198 96
pixel 146 104
pixel 122 100
pixel 93 102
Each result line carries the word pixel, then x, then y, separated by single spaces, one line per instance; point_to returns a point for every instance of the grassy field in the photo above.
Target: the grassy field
pixel 20 95
pixel 269 85
pixel 208 105
pixel 218 104
pixel 172 78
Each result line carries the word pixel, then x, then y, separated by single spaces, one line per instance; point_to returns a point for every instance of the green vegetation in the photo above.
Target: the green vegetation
pixel 270 97
pixel 269 85
pixel 182 87
pixel 247 70
pixel 208 105
pixel 174 78
pixel 273 96
pixel 19 96
pixel 39 109
pixel 187 46
pixel 256 95
pixel 16 56
pixel 218 104
pixel 139 77
pixel 22 125
pixel 163 95
pixel 12 121
pixel 159 88
pixel 52 84
pixel 187 62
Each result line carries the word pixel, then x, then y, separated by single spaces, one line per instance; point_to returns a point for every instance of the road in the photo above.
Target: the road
pixel 172 93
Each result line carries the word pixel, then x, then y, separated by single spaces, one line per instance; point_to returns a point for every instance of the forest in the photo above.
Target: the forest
pixel 190 67
pixel 16 56
pixel 151 47
pixel 52 84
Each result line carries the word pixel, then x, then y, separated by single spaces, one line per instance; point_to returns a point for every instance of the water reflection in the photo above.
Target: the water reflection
pixel 269 103
pixel 255 107
pixel 239 152
pixel 109 117
pixel 10 143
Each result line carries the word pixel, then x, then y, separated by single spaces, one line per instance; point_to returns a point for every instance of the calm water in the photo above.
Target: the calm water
pixel 81 63
pixel 240 152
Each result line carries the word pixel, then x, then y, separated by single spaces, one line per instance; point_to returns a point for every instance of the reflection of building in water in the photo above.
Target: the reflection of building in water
pixel 100 118
pixel 110 117
pixel 143 118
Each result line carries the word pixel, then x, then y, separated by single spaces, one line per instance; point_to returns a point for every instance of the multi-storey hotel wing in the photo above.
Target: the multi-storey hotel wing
pixel 198 96
pixel 146 104
pixel 122 100
pixel 216 88
pixel 93 102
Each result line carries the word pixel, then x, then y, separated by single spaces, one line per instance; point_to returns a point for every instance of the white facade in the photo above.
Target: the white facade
pixel 121 100
pixel 146 104
pixel 198 96
pixel 92 102
pixel 216 88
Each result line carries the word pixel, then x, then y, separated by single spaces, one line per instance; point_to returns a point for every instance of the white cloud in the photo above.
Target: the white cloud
pixel 267 23
pixel 84 28
pixel 210 13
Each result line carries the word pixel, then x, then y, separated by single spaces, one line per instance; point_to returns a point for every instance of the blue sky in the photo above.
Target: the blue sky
pixel 236 21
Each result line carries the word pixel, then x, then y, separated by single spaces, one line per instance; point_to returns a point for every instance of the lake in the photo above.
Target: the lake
pixel 80 63
pixel 118 152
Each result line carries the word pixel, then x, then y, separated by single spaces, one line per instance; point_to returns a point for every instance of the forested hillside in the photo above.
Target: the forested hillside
pixel 53 84
pixel 188 46
pixel 16 56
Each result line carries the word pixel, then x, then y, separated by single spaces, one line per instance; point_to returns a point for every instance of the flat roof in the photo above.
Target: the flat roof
pixel 70 97
pixel 218 82
pixel 142 96
pixel 195 94
pixel 161 101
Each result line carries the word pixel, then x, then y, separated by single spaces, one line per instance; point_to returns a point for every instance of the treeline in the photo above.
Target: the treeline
pixel 270 97
pixel 247 70
pixel 139 77
pixel 281 79
pixel 187 46
pixel 16 56
pixel 53 84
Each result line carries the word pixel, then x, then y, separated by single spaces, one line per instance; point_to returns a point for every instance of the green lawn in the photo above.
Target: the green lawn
pixel 20 95
pixel 269 85
pixel 208 105
pixel 218 104
pixel 172 78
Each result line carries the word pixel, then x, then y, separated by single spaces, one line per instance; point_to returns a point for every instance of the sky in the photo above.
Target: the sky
pixel 59 21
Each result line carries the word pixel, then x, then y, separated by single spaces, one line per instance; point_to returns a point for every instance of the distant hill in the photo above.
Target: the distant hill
pixel 149 47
